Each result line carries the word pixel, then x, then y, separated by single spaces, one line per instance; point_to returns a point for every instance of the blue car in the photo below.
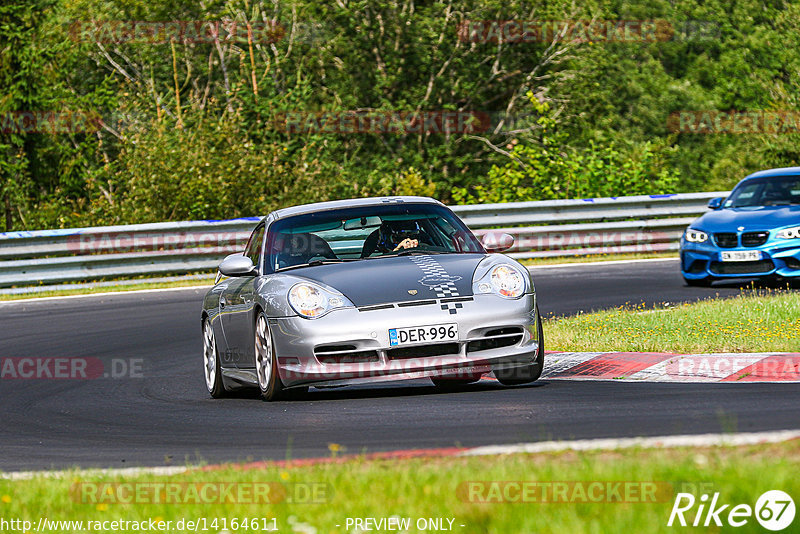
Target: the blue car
pixel 753 233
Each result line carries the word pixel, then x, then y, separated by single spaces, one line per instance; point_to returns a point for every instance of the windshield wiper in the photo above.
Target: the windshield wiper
pixel 329 260
pixel 410 252
pixel 314 263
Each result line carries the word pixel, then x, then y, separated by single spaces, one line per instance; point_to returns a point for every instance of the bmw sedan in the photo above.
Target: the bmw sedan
pixel 365 291
pixel 753 233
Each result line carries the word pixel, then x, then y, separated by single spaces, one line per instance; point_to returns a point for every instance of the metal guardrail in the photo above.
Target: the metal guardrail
pixel 562 228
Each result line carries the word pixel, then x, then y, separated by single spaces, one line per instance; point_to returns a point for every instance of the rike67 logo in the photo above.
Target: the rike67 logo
pixel 774 510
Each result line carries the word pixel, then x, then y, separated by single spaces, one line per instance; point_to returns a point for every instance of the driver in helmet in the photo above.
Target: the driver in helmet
pixel 397 235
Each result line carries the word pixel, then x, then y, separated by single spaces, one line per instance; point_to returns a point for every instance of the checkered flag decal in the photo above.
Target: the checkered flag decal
pixel 430 267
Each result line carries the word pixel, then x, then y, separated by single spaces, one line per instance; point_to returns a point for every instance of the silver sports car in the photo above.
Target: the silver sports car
pixel 369 290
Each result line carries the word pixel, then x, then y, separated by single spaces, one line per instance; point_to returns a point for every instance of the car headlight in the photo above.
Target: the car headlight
pixel 312 301
pixel 503 280
pixel 789 233
pixel 695 236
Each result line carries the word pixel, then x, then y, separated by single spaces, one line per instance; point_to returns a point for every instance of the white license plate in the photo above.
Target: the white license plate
pixel 415 335
pixel 740 255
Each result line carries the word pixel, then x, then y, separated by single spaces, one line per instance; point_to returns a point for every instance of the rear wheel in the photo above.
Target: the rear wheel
pixel 515 376
pixel 212 371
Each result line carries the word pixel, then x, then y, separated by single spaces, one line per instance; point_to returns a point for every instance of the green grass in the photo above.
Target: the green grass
pixel 108 289
pixel 749 322
pixel 423 488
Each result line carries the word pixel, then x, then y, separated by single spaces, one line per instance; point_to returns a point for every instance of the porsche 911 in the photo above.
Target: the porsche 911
pixel 365 291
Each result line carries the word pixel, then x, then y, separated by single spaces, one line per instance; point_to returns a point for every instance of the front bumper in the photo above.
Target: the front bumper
pixel 703 260
pixel 305 347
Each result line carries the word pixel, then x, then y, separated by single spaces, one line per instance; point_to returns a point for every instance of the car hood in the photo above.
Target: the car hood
pixel 397 279
pixel 753 218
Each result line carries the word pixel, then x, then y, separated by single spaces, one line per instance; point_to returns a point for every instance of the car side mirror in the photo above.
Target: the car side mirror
pixel 715 203
pixel 237 265
pixel 497 242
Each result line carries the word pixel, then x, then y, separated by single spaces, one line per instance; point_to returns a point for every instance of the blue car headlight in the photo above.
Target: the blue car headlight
pixel 312 301
pixel 695 236
pixel 789 233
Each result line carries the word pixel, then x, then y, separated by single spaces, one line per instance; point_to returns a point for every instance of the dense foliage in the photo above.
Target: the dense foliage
pixel 191 127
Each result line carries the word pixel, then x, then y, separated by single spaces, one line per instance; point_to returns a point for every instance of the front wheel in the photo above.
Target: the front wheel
pixel 212 371
pixel 516 376
pixel 269 383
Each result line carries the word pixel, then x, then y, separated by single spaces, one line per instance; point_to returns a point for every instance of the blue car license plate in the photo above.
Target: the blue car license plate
pixel 740 255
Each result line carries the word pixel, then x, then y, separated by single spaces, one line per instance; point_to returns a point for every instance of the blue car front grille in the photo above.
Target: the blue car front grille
pixel 754 239
pixel 726 240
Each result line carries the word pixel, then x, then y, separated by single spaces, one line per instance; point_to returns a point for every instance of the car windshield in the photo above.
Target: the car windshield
pixel 774 191
pixel 363 233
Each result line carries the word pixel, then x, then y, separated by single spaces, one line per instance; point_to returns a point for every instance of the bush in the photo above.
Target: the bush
pixel 545 168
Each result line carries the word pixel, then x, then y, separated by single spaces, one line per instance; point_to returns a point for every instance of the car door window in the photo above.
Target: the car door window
pixel 255 246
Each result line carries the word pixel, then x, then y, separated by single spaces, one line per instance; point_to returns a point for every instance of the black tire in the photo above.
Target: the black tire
pixel 266 364
pixel 524 374
pixel 700 282
pixel 213 370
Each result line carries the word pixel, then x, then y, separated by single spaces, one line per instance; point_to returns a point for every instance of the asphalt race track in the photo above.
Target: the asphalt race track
pixel 165 415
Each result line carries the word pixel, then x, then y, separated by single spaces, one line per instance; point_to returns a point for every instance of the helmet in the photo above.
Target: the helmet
pixel 393 232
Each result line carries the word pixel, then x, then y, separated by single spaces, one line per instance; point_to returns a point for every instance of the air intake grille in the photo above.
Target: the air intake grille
pixel 364 356
pixel 495 339
pixel 697 266
pixel 423 351
pixel 332 354
pixel 792 263
pixel 742 267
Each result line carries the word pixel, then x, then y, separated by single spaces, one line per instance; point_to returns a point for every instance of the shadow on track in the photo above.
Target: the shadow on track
pixel 387 391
